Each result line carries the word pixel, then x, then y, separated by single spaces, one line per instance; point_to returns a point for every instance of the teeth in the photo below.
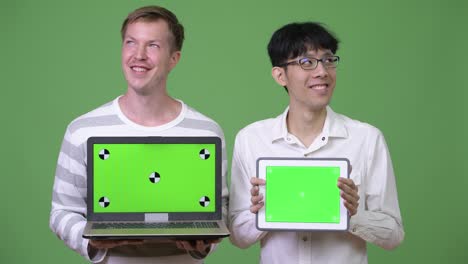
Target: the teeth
pixel 138 69
pixel 319 87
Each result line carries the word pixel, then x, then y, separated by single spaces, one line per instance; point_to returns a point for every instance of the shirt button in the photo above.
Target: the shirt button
pixel 304 239
pixel 323 138
pixel 288 139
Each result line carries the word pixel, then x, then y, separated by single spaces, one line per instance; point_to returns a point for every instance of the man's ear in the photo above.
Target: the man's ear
pixel 175 57
pixel 279 75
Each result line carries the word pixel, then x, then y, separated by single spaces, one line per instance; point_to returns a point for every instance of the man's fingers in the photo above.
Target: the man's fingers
pixel 182 244
pixel 97 244
pixel 350 193
pixel 256 181
pixel 352 210
pixel 179 245
pixel 254 208
pixel 352 199
pixel 134 241
pixel 213 241
pixel 256 199
pixel 198 245
pixel 254 190
pixel 347 185
pixel 186 245
pixel 102 244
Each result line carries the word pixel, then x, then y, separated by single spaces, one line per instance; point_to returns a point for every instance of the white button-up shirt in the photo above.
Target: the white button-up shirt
pixel 378 218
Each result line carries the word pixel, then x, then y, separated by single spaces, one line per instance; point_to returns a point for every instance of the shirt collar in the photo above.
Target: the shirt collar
pixel 334 126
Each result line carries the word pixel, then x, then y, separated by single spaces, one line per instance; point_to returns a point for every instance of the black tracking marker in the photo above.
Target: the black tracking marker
pixel 154 177
pixel 204 154
pixel 104 154
pixel 104 202
pixel 204 201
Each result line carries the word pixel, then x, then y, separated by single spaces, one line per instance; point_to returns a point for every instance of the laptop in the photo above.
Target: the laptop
pixel 154 187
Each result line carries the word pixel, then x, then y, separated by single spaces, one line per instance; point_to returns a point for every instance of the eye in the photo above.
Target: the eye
pixel 154 45
pixel 129 42
pixel 306 62
pixel 330 60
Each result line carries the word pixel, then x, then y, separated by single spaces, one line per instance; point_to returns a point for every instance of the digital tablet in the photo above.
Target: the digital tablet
pixel 302 194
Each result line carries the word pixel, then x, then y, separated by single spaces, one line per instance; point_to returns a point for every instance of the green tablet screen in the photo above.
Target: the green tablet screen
pixel 302 194
pixel 154 178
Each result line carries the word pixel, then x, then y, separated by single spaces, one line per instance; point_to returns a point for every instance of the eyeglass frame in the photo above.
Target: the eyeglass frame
pixel 298 62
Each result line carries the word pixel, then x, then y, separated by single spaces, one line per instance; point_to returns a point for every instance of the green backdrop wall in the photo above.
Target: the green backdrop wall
pixel 403 70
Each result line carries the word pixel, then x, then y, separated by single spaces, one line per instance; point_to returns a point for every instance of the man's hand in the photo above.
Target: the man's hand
pixel 196 245
pixel 111 243
pixel 255 198
pixel 349 192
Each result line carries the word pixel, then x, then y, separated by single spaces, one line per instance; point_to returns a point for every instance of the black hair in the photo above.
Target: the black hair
pixel 295 39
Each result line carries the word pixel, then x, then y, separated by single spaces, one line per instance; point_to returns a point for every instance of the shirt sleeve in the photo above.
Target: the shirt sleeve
pixel 68 213
pixel 378 219
pixel 225 192
pixel 244 232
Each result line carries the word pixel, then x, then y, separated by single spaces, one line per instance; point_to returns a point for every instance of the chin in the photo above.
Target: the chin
pixel 318 106
pixel 138 88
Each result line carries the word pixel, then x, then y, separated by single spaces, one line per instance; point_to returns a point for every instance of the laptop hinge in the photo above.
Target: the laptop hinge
pixel 156 217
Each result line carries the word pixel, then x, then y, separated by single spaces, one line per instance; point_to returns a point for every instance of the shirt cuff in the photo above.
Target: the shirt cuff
pixel 198 255
pixel 357 226
pixel 95 255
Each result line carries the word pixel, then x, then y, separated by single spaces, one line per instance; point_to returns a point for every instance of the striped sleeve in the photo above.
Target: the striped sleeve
pixel 68 213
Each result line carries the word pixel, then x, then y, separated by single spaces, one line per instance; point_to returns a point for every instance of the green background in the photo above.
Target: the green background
pixel 124 178
pixel 311 196
pixel 403 70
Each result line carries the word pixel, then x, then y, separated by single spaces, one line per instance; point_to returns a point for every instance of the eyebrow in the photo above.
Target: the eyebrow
pixel 149 41
pixel 327 53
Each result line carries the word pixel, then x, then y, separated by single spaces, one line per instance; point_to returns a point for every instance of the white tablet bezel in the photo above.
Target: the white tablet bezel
pixel 263 162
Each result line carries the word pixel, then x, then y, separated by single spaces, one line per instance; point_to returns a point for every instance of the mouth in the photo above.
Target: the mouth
pixel 319 87
pixel 139 68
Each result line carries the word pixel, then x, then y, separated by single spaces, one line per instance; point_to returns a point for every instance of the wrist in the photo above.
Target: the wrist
pixel 92 251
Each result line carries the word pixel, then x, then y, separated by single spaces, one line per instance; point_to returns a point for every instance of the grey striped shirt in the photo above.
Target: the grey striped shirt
pixel 68 213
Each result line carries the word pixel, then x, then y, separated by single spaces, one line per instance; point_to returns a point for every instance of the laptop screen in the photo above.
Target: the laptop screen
pixel 154 175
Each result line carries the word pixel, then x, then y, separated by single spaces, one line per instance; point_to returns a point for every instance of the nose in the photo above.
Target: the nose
pixel 141 53
pixel 320 71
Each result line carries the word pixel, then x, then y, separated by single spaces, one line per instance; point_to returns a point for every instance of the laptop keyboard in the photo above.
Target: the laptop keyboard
pixel 155 225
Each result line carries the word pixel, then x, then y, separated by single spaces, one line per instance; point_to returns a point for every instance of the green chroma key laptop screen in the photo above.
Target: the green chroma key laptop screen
pixel 138 178
pixel 302 194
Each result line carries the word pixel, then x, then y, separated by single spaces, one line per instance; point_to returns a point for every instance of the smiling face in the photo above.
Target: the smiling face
pixel 308 89
pixel 148 56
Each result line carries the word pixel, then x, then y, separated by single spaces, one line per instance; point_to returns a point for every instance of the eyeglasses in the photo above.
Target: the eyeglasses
pixel 312 63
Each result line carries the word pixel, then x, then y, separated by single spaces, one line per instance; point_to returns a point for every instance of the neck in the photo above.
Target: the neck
pixel 153 109
pixel 306 124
